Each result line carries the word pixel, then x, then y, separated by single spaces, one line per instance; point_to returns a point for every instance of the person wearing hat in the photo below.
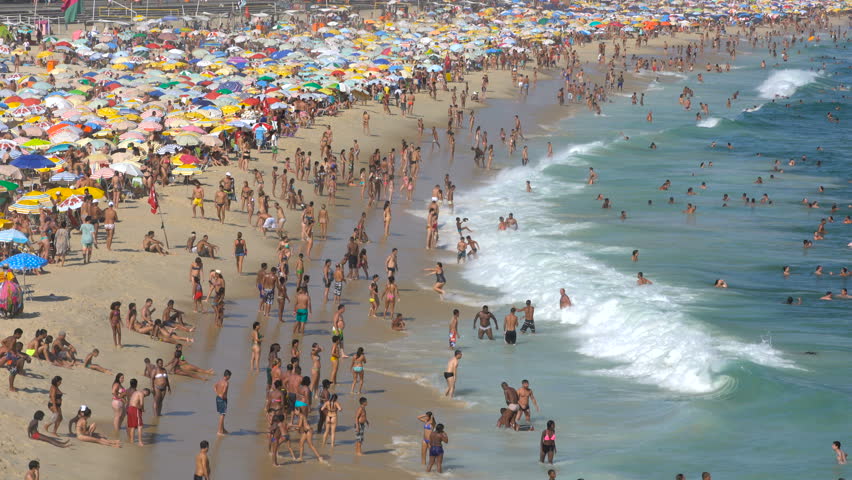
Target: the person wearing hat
pixel 227 184
pixel 110 217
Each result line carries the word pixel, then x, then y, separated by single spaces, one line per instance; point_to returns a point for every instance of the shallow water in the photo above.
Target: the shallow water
pixel 678 376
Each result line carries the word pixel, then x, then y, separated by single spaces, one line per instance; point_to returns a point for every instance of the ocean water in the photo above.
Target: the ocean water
pixel 647 382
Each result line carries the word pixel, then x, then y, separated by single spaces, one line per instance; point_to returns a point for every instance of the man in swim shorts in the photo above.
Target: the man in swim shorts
pixel 529 320
pixel 221 389
pixel 510 323
pixel 301 309
pixel 134 414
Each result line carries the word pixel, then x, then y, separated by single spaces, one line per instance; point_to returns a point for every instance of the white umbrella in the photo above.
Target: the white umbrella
pixel 127 169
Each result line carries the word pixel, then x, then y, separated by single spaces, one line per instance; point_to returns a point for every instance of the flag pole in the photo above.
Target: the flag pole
pixel 163 224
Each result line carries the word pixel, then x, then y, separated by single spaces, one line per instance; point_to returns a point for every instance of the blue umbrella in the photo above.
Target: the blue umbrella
pixel 24 261
pixel 32 161
pixel 13 236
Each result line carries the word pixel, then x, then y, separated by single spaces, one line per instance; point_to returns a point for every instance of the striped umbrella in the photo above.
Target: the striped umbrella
pixel 26 207
pixel 39 197
pixel 105 172
pixel 171 148
pixel 63 177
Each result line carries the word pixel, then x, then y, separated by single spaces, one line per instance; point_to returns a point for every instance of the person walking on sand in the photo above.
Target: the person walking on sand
pixel 221 389
pixel 361 424
pixel 436 449
pixel 240 252
pixel 451 373
pixel 358 361
pixel 202 463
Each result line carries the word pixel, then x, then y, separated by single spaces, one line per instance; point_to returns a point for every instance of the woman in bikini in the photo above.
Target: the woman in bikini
pixel 115 322
pixel 387 218
pixel 54 404
pixel 358 361
pixel 391 296
pixel 167 334
pixel 374 296
pixel 279 432
pixel 87 433
pixel 428 426
pixel 118 400
pixel 363 263
pixel 274 402
pixel 331 408
pixel 548 443
pixel 255 346
pixel 302 405
pixel 161 384
pixel 335 358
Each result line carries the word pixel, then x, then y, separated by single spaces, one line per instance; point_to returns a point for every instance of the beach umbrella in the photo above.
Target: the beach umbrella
pixel 24 261
pixel 32 161
pixel 71 203
pixel 60 192
pixel 186 170
pixel 8 186
pixel 93 191
pixel 127 168
pixel 13 235
pixel 11 171
pixel 105 173
pixel 26 207
pixel 39 197
pixel 63 177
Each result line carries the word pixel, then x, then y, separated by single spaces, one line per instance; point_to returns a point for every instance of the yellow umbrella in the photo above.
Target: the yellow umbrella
pixel 93 191
pixel 57 192
pixel 44 54
pixel 39 197
pixel 26 207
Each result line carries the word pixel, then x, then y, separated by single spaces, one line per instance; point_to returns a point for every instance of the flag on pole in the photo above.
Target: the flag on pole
pixel 71 8
pixel 152 200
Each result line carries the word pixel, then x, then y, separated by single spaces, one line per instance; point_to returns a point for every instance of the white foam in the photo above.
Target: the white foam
pixel 643 331
pixel 784 83
pixel 708 122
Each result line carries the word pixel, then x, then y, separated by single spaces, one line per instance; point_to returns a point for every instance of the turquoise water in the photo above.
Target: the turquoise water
pixel 646 382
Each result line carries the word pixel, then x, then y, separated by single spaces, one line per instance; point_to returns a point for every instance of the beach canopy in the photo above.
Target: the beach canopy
pixel 13 235
pixel 24 261
pixel 33 161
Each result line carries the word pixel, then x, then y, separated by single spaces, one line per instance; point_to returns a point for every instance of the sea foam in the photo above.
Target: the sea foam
pixel 784 83
pixel 644 332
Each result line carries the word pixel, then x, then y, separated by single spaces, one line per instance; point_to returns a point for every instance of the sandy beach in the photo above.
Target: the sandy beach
pixel 76 299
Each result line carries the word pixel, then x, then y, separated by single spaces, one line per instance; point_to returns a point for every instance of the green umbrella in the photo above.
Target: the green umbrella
pixel 224 91
pixel 168 84
pixel 312 85
pixel 8 186
pixel 76 92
